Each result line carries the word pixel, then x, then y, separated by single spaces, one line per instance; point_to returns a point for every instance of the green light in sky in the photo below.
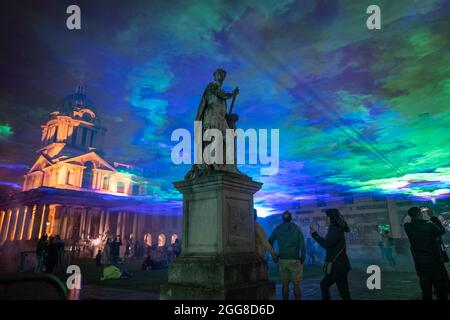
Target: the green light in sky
pixel 5 131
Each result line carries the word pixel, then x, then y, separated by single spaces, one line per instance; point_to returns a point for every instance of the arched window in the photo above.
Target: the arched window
pixel 68 176
pixel 74 135
pixel 87 175
pixel 120 187
pixel 55 135
pixel 105 183
pixel 148 239
pixel 161 240
pixel 83 136
pixel 56 176
pixel 173 238
pixel 135 189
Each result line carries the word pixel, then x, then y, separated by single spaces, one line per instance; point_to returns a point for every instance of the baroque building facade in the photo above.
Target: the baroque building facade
pixel 73 192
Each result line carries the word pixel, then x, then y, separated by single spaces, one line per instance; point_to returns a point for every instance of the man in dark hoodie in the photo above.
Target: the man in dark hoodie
pixel 423 232
pixel 292 253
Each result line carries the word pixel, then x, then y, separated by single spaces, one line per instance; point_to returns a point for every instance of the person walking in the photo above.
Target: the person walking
pixel 60 265
pixel 291 256
pixel 40 253
pixel 337 265
pixel 52 255
pixel 261 242
pixel 106 258
pixel 115 250
pixel 388 246
pixel 177 248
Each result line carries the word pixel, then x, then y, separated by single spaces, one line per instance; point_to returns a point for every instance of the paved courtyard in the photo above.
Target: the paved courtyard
pixel 144 285
pixel 395 284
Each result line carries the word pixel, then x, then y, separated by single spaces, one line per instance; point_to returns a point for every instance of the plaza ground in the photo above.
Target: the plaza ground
pixel 144 285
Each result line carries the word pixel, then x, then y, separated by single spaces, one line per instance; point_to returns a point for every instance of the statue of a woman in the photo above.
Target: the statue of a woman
pixel 212 112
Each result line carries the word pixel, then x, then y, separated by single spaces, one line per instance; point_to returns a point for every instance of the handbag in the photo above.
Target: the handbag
pixel 328 266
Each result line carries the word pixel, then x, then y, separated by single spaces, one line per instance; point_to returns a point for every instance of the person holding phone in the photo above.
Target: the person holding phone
pixel 423 232
pixel 337 265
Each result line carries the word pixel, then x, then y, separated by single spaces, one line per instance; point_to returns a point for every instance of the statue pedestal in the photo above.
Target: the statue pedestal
pixel 218 259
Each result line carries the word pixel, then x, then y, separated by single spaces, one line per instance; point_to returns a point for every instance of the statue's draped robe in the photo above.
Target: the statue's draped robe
pixel 213 109
pixel 212 113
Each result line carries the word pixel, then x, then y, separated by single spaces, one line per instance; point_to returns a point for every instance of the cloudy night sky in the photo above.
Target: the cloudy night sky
pixel 359 110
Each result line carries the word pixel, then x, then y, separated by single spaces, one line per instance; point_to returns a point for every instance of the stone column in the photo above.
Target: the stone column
pixel 44 220
pixel 27 222
pixel 219 259
pixel 51 230
pixel 88 222
pixel 119 223
pixel 21 223
pixel 135 220
pixel 64 220
pixel 2 221
pixel 31 221
pixel 55 220
pixel 82 223
pixel 124 225
pixel 14 222
pixel 102 222
pixel 70 222
pixel 6 224
pixel 35 233
pixel 106 228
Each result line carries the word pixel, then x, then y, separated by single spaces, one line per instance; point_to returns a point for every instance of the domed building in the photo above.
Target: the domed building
pixel 71 153
pixel 73 192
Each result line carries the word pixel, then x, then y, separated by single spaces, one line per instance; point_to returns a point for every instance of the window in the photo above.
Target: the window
pixel 105 183
pixel 56 176
pixel 74 135
pixel 83 136
pixel 55 136
pixel 161 240
pixel 91 143
pixel 120 187
pixel 87 175
pixel 68 177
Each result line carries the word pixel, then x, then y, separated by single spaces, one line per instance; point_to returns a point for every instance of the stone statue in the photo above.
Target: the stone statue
pixel 212 112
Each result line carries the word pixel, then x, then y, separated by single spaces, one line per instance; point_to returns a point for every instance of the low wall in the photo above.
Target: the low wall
pixel 10 254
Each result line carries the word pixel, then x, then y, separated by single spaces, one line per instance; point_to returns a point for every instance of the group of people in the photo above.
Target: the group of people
pixel 159 257
pixel 423 229
pixel 292 253
pixel 110 253
pixel 49 254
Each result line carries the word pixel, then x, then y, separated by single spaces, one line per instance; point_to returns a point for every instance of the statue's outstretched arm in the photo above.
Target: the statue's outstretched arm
pixel 223 94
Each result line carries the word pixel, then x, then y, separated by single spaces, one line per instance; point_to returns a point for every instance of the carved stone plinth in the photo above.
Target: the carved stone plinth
pixel 218 258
